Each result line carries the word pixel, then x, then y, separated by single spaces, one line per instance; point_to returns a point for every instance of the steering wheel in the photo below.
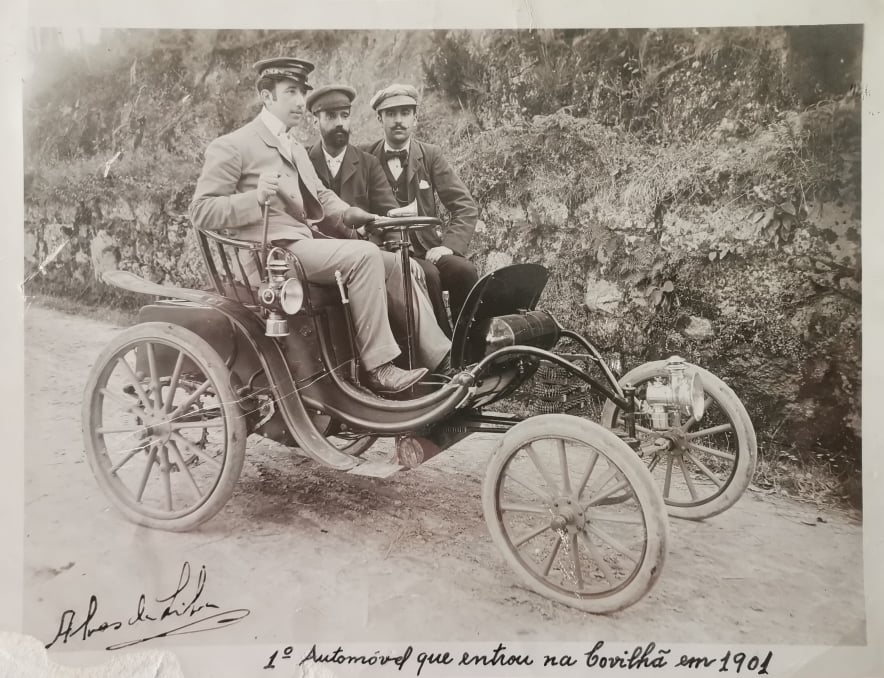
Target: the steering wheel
pixel 400 224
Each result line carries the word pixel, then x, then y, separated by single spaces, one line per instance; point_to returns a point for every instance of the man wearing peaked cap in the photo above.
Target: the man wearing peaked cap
pixel 285 67
pixel 260 166
pixel 357 178
pixel 418 172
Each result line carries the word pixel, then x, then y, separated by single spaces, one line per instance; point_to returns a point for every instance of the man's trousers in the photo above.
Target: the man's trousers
pixel 454 273
pixel 375 287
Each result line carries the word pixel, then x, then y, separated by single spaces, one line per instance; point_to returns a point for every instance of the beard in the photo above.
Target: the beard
pixel 337 138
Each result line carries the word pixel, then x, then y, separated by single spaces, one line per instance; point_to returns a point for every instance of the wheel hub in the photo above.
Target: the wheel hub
pixel 567 514
pixel 159 428
pixel 677 439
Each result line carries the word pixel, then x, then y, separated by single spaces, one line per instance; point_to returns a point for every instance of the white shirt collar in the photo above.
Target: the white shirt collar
pixel 333 158
pixel 274 124
pixel 405 148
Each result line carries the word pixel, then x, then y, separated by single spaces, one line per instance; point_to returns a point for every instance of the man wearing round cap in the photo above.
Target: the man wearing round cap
pixel 259 165
pixel 418 172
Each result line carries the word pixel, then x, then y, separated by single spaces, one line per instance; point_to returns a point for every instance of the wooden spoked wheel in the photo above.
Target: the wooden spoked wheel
pixel 163 430
pixel 702 467
pixel 548 504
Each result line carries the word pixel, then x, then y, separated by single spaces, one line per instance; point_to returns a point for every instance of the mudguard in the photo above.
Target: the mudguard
pixel 269 353
pixel 501 292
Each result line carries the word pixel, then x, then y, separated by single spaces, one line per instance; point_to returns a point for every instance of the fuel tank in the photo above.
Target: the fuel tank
pixel 529 328
pixel 509 291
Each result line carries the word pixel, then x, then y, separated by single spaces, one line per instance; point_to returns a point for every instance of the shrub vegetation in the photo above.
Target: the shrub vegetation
pixel 692 190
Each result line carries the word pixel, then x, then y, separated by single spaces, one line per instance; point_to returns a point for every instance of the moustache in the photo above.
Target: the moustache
pixel 338 135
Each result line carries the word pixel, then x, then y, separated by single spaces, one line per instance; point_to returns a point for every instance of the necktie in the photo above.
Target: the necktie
pixel 402 156
pixel 396 168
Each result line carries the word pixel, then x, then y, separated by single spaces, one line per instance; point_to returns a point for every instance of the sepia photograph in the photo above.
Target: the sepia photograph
pixel 477 346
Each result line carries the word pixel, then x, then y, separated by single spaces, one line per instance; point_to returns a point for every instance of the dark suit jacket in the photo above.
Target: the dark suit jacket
pixel 363 182
pixel 428 172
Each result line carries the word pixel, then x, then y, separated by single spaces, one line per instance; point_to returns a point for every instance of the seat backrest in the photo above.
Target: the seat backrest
pixel 235 266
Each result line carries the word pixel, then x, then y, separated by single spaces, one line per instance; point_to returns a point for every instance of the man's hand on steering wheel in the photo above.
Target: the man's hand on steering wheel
pixel 357 218
pixel 409 210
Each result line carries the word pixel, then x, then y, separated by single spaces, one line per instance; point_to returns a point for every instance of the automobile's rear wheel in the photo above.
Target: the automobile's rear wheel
pixel 163 430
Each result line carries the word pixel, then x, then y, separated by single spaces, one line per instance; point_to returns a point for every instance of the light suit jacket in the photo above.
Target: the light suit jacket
pixel 226 196
pixel 429 173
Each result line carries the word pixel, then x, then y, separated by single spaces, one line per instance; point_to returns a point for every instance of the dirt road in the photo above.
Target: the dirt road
pixel 317 555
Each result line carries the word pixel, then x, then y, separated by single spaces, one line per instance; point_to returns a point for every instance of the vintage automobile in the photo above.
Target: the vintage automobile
pixel 578 508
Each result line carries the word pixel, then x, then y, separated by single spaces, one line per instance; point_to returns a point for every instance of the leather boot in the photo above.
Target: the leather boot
pixel 391 379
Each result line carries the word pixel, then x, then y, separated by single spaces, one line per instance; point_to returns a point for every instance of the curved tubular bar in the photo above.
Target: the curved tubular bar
pixel 569 334
pixel 291 406
pixel 233 242
pixel 253 248
pixel 445 408
pixel 373 401
pixel 549 357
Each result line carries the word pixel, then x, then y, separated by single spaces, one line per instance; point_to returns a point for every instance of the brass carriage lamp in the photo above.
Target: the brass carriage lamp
pixel 684 391
pixel 280 295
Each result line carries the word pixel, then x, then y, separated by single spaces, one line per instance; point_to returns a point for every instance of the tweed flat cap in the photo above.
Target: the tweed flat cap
pixel 394 95
pixel 330 98
pixel 285 67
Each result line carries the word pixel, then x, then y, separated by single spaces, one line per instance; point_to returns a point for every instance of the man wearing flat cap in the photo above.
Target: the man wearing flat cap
pixel 260 165
pixel 355 176
pixel 418 172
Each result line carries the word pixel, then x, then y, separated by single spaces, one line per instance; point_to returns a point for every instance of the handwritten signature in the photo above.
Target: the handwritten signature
pixel 182 604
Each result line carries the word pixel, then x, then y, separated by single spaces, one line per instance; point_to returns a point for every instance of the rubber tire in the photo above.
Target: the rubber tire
pixel 747 445
pixel 208 360
pixel 648 495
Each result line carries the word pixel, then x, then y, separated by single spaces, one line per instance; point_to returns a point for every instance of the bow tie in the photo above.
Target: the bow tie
pixel 401 155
